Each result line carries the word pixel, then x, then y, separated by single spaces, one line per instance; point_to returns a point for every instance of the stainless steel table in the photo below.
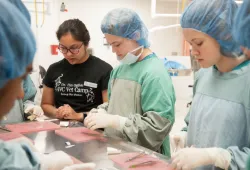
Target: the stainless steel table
pixel 92 151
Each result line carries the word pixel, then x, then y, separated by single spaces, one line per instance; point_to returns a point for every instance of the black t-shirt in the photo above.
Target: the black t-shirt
pixel 79 85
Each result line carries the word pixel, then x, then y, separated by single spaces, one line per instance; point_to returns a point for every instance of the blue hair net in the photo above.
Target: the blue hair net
pixel 125 23
pixel 214 18
pixel 22 8
pixel 17 43
pixel 241 29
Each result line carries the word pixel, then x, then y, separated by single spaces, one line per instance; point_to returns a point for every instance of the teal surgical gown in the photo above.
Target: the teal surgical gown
pixel 220 113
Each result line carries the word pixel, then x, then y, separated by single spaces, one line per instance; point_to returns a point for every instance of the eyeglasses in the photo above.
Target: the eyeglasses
pixel 65 50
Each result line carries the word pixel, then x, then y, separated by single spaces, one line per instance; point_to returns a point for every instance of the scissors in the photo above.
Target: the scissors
pixel 143 164
pixel 137 156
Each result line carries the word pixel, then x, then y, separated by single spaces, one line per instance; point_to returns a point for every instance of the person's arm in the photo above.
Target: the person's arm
pixel 29 105
pixel 48 102
pixel 105 96
pixel 29 89
pixel 17 157
pixel 152 127
pixel 104 83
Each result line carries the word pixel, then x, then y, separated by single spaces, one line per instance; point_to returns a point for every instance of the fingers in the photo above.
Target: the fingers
pixel 94 127
pixel 90 124
pixel 59 112
pixel 38 111
pixel 90 116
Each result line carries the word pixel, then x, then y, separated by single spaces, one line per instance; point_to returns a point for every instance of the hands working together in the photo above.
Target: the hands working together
pixel 66 112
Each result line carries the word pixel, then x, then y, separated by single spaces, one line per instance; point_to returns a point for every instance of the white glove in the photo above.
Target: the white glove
pixel 178 141
pixel 54 161
pixel 94 110
pixel 103 106
pixel 190 158
pixel 102 119
pixel 34 109
pixel 84 166
pixel 24 140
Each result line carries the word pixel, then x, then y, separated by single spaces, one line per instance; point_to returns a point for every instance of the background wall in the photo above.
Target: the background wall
pixel 163 42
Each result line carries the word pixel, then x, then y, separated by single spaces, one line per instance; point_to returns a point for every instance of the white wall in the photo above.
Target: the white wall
pixel 163 42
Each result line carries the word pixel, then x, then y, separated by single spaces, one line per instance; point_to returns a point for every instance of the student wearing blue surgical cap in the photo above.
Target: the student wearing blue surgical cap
pixel 15 64
pixel 25 105
pixel 242 27
pixel 217 134
pixel 241 33
pixel 141 95
pixel 16 55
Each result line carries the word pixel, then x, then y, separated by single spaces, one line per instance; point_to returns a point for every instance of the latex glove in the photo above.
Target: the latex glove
pixel 103 106
pixel 24 140
pixel 84 166
pixel 54 161
pixel 34 109
pixel 178 141
pixel 94 110
pixel 190 158
pixel 102 120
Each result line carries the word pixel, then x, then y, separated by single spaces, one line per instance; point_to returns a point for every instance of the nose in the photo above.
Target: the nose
pixel 195 52
pixel 68 53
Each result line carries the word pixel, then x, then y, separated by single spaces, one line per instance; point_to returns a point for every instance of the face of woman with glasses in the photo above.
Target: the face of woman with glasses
pixel 74 51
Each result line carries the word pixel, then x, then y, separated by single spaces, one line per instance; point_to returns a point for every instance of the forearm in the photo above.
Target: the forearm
pixel 150 130
pixel 49 110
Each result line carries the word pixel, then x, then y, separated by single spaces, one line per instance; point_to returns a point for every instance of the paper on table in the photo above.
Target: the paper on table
pixel 32 127
pixel 111 151
pixel 80 134
pixel 120 160
pixel 64 123
pixel 11 135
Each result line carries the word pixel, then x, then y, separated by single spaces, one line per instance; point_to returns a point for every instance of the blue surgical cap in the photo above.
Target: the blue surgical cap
pixel 17 43
pixel 214 18
pixel 125 23
pixel 241 29
pixel 21 8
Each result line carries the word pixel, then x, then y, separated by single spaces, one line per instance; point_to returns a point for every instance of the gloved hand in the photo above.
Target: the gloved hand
pixel 190 158
pixel 84 166
pixel 102 119
pixel 34 109
pixel 94 110
pixel 103 106
pixel 54 161
pixel 178 141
